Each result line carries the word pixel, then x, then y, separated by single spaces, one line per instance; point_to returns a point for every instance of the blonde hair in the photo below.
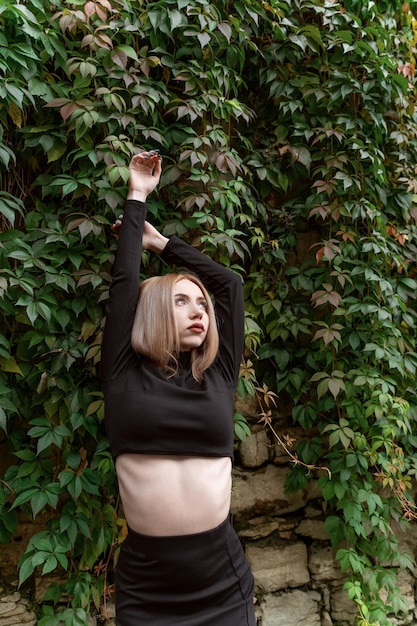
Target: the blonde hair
pixel 155 333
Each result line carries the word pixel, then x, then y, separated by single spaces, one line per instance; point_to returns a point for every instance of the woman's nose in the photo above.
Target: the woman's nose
pixel 196 311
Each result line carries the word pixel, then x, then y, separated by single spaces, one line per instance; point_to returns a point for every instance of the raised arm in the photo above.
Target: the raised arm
pixel 226 287
pixel 116 352
pixel 137 234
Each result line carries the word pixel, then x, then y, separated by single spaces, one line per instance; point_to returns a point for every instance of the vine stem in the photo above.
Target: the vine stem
pixel 294 458
pixel 265 398
pixel 3 482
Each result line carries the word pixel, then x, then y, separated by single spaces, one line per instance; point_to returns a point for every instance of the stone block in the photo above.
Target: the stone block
pixel 294 608
pixel 260 527
pixel 314 529
pixel 407 536
pixel 6 608
pixel 263 493
pixel 14 611
pixel 255 450
pixel 248 407
pixel 278 568
pixel 19 620
pixel 11 597
pixel 18 617
pixel 342 610
pixel 323 567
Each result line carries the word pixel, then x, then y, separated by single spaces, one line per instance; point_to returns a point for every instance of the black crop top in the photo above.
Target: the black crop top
pixel 146 412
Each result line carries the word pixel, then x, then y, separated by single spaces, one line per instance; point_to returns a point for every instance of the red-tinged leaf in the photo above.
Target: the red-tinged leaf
pixel 265 418
pixel 119 58
pixel 346 235
pixel 328 252
pixel 102 14
pixel 89 8
pixel 232 164
pixel 85 228
pixel 335 385
pixel 407 69
pixel 56 102
pixel 319 255
pixel 220 162
pixel 67 110
pixel 327 334
pixel 322 209
pixel 88 42
pixel 334 298
pixel 67 22
pixel 74 224
pixel 289 441
pixel 103 40
pixel 323 186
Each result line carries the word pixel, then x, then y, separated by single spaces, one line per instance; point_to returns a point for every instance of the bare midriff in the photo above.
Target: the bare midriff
pixel 164 495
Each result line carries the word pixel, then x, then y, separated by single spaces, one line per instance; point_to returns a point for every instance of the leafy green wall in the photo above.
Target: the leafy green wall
pixel 276 122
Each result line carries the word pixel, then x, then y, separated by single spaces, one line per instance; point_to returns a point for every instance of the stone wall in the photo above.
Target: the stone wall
pixel 298 582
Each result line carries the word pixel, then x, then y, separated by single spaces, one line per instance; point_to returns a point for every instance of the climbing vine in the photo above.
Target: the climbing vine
pixel 288 136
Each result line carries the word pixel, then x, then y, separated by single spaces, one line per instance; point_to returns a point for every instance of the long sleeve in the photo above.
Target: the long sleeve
pixel 116 351
pixel 226 287
pixel 146 412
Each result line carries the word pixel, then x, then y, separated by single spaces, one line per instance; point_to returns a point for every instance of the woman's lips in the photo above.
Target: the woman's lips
pixel 196 328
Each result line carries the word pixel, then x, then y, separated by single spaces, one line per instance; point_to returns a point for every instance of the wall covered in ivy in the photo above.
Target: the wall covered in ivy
pixel 278 123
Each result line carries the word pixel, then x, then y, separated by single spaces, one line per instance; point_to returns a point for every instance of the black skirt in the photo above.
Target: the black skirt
pixel 202 579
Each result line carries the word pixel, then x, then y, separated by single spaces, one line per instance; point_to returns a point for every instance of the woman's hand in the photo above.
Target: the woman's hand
pixel 151 239
pixel 116 226
pixel 145 172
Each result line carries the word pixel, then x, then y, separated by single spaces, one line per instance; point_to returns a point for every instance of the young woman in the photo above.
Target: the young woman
pixel 170 362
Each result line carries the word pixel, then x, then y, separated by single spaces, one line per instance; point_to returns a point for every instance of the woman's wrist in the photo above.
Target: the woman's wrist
pixel 134 194
pixel 159 243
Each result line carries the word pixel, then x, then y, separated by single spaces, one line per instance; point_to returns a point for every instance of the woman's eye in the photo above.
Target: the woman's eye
pixel 179 301
pixel 203 305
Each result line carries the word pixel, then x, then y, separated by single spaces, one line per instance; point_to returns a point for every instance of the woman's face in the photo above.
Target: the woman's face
pixel 190 310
